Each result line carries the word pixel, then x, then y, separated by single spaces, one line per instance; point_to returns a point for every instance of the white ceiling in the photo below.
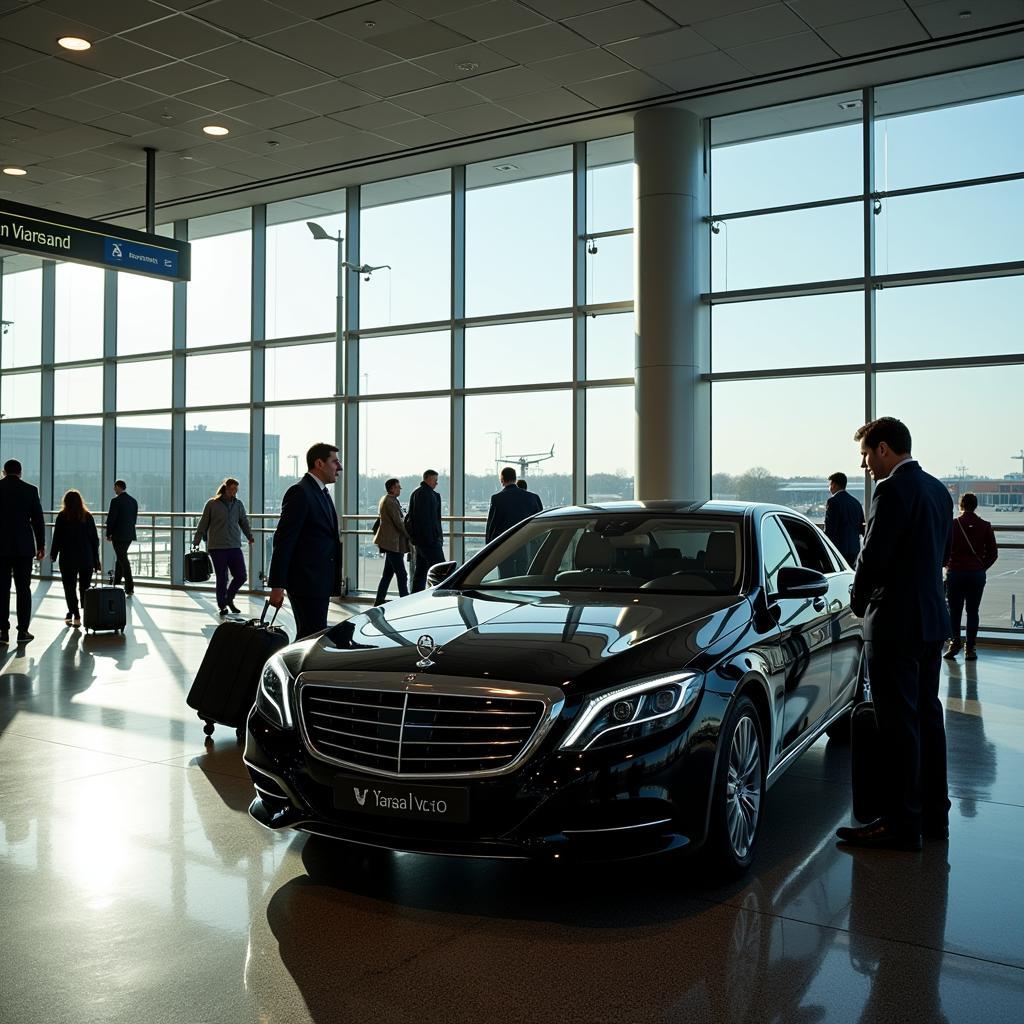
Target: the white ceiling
pixel 306 85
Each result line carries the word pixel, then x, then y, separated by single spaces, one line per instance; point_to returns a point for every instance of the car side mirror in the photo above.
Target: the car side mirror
pixel 796 581
pixel 438 573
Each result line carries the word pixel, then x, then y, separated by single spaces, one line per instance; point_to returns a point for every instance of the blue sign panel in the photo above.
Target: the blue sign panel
pixel 134 256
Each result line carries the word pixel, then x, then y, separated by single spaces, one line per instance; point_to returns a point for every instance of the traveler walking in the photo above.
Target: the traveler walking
pixel 76 545
pixel 393 540
pixel 509 506
pixel 307 545
pixel 974 551
pixel 423 524
pixel 844 518
pixel 21 536
pixel 222 524
pixel 121 518
pixel 523 486
pixel 898 591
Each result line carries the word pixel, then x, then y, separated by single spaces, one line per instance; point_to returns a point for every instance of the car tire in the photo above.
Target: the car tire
pixel 738 798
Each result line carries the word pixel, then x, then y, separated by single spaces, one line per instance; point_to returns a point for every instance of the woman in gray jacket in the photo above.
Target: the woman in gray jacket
pixel 222 524
pixel 393 540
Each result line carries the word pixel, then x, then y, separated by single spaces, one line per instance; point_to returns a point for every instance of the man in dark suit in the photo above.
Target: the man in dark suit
pixel 538 505
pixel 844 518
pixel 121 518
pixel 509 506
pixel 306 561
pixel 423 522
pixel 898 590
pixel 21 536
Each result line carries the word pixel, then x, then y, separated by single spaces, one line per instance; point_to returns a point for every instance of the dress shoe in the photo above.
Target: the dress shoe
pixel 879 836
pixel 224 612
pixel 24 636
pixel 231 605
pixel 78 621
pixel 68 618
pixel 971 655
pixel 952 650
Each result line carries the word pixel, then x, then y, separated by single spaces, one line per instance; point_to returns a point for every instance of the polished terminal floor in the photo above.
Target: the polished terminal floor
pixel 134 887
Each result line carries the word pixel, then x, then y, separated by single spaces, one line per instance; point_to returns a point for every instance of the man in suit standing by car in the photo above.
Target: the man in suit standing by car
pixel 423 522
pixel 898 591
pixel 21 536
pixel 844 518
pixel 121 518
pixel 509 506
pixel 306 560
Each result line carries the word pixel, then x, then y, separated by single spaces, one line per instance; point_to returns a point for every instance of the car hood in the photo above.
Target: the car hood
pixel 530 636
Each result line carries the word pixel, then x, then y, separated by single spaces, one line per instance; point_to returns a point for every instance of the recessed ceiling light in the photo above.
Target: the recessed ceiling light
pixel 215 129
pixel 369 24
pixel 75 43
pixel 467 65
pixel 850 105
pixel 965 15
pixel 15 172
pixel 506 167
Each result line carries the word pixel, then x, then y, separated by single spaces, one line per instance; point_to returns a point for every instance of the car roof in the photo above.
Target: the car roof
pixel 667 506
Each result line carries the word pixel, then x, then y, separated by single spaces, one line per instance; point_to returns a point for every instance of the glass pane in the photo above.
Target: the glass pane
pixel 754 427
pixel 216 446
pixel 144 385
pixel 962 318
pixel 401 438
pixel 611 441
pixel 918 141
pixel 530 353
pixel 776 551
pixel 519 234
pixel 21 307
pixel 19 395
pixel 78 390
pixel 302 271
pixel 776 333
pixel 143 459
pixel 788 248
pixel 219 293
pixel 611 346
pixel 405 363
pixel 21 441
pixel 968 452
pixel 796 153
pixel 959 228
pixel 406 225
pixel 610 269
pixel 300 371
pixel 610 184
pixel 78 313
pixel 531 432
pixel 218 379
pixel 289 432
pixel 77 461
pixel 144 314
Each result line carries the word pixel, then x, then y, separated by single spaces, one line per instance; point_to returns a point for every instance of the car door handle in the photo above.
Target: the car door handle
pixel 819 604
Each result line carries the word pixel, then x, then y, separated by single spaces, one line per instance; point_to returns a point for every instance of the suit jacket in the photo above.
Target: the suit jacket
pixel 121 518
pixel 391 534
pixel 897 587
pixel 509 506
pixel 21 519
pixel 844 522
pixel 307 546
pixel 76 542
pixel 425 517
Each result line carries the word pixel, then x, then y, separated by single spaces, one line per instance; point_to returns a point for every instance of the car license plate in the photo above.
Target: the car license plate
pixel 401 800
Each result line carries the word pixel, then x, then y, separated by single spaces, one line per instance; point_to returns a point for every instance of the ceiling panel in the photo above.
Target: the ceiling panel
pixel 800 50
pixel 630 87
pixel 329 51
pixel 270 113
pixel 440 97
pixel 539 43
pixel 946 18
pixel 624 21
pixel 852 37
pixel 662 48
pixel 174 78
pixel 420 39
pixel 372 20
pixel 247 17
pixel 330 97
pixel 317 129
pixel 540 106
pixel 830 12
pixel 465 62
pixel 180 36
pixel 376 115
pixel 260 69
pixel 223 95
pixel 421 132
pixel 580 67
pixel 38 28
pixel 109 15
pixel 497 18
pixel 393 79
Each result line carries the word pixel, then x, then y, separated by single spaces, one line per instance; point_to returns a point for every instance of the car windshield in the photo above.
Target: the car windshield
pixel 616 551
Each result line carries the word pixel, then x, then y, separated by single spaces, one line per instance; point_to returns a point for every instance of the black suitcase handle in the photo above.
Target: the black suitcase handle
pixel 263 615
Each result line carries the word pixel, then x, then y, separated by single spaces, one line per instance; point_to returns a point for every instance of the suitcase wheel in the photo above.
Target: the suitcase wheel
pixel 208 728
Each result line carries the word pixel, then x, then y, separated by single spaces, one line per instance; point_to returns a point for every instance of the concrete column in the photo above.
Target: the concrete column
pixel 673 403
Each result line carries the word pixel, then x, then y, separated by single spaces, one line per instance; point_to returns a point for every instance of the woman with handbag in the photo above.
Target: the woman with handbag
pixel 222 524
pixel 973 552
pixel 392 538
pixel 77 544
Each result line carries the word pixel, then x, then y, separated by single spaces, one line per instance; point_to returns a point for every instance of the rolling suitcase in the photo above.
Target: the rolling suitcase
pixel 104 608
pixel 866 760
pixel 224 690
pixel 198 566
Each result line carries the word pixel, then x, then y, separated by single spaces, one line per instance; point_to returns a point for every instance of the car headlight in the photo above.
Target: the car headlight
pixel 273 696
pixel 632 711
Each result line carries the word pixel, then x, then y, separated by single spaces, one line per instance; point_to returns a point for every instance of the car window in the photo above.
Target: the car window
pixel 775 550
pixel 809 547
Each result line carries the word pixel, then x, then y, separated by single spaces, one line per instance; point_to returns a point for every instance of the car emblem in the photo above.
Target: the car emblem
pixel 360 795
pixel 425 647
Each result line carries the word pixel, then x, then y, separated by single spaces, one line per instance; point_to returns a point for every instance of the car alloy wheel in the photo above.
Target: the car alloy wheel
pixel 743 788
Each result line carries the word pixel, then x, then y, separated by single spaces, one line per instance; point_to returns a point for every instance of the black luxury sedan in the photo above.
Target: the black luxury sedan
pixel 602 681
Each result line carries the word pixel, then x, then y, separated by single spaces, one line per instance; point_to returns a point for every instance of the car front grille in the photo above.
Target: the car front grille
pixel 417 733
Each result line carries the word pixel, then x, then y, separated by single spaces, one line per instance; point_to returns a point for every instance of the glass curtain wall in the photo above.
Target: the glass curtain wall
pixel 867 261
